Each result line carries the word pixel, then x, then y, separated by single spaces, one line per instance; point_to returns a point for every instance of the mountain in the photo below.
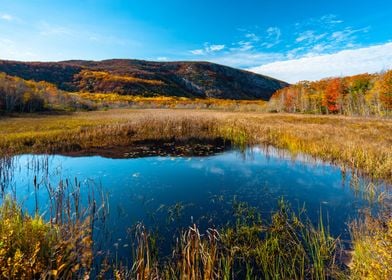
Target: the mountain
pixel 138 77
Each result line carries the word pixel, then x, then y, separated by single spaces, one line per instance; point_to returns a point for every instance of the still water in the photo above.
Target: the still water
pixel 168 193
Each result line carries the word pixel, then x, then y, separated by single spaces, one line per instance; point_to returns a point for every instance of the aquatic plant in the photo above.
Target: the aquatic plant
pixel 288 247
pixel 31 248
pixel 372 247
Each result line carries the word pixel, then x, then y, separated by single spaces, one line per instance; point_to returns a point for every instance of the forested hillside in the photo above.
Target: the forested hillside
pixel 146 78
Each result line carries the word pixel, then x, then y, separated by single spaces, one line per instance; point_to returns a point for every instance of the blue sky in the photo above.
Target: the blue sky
pixel 290 40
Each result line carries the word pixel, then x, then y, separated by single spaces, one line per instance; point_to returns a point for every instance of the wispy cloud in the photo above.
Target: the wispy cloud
pixel 347 62
pixel 242 46
pixel 244 59
pixel 46 29
pixel 252 36
pixel 330 19
pixel 309 50
pixel 215 48
pixel 273 37
pixel 347 35
pixel 208 49
pixel 197 52
pixel 248 51
pixel 7 17
pixel 11 50
pixel 309 36
pixel 323 35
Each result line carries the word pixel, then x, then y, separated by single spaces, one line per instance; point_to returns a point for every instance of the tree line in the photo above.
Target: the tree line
pixel 364 94
pixel 19 95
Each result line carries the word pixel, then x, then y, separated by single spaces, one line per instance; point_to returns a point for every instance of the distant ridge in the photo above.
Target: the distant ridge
pixel 147 78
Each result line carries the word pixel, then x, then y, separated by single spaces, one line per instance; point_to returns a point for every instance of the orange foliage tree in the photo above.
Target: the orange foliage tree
pixel 332 95
pixel 385 89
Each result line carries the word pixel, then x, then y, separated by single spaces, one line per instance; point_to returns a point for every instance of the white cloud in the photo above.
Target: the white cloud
pixel 330 19
pixel 47 29
pixel 252 36
pixel 162 58
pixel 304 36
pixel 13 51
pixel 319 48
pixel 6 17
pixel 243 46
pixel 96 38
pixel 244 59
pixel 274 32
pixel 347 34
pixel 208 49
pixel 215 48
pixel 197 52
pixel 273 37
pixel 327 22
pixel 347 62
pixel 309 36
pixel 317 36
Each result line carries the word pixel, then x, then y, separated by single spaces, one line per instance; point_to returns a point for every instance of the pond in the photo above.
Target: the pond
pixel 168 193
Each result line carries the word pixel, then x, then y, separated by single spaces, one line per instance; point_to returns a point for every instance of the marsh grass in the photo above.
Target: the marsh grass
pixel 31 248
pixel 113 100
pixel 372 247
pixel 55 245
pixel 288 247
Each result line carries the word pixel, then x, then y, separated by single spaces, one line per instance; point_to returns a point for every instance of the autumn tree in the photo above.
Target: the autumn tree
pixel 18 95
pixel 332 94
pixel 384 87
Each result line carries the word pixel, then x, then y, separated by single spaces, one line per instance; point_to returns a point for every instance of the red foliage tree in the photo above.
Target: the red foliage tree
pixel 332 94
pixel 385 88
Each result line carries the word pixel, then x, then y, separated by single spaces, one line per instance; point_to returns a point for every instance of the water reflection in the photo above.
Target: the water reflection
pixel 170 192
